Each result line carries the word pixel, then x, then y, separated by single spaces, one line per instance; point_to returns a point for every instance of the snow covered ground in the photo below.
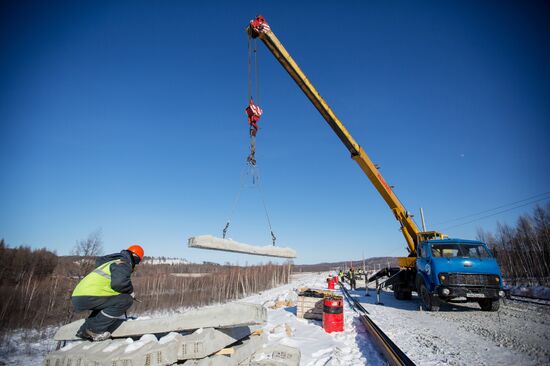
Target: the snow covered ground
pixel 519 334
pixel 351 347
pixel 461 334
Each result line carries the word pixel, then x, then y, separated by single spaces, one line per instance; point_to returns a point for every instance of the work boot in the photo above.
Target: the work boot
pixel 92 336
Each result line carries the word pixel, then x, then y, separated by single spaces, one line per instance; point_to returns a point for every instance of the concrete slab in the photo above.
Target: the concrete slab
pixel 275 355
pixel 212 243
pixel 242 352
pixel 222 316
pixel 150 354
pixel 75 354
pixel 210 341
pixel 149 350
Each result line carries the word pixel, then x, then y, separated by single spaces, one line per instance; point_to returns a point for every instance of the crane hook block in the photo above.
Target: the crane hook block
pixel 254 112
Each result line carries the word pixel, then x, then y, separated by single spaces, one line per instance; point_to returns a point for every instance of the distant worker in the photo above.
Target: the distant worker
pixel 108 292
pixel 341 276
pixel 352 279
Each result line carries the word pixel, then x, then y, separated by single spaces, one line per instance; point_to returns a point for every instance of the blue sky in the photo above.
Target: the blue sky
pixel 127 116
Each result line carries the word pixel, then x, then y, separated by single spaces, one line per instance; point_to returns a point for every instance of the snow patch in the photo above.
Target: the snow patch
pixel 168 338
pixel 164 260
pixel 147 338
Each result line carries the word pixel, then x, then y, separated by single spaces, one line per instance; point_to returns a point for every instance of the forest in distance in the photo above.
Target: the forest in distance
pixel 523 250
pixel 36 285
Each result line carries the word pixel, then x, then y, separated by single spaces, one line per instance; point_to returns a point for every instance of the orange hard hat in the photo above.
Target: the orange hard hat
pixel 137 250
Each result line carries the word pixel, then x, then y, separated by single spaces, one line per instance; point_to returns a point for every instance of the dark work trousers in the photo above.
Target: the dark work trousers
pixel 107 311
pixel 352 283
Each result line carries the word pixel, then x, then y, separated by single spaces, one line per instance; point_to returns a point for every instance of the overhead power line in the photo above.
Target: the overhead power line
pixel 496 213
pixel 495 208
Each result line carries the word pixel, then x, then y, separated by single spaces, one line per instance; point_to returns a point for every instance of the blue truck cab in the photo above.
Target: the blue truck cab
pixel 457 270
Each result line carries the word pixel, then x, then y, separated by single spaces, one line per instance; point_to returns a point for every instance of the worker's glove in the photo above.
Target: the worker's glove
pixel 133 294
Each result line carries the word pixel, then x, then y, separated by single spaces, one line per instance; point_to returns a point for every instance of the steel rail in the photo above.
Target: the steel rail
pixel 529 300
pixel 394 355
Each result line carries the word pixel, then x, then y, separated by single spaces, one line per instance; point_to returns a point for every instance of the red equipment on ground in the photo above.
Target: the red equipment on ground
pixel 333 314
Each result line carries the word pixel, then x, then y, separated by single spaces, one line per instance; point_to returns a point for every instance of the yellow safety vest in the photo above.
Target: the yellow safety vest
pixel 97 282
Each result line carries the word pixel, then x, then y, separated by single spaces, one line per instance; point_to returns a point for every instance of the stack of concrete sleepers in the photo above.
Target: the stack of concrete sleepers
pixel 310 303
pixel 198 337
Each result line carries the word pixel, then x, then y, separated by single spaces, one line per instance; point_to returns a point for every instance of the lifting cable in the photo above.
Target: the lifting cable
pixel 254 113
pixel 234 207
pixel 253 172
pixel 253 53
pixel 273 237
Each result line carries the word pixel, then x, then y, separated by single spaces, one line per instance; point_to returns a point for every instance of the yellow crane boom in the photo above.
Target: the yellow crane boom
pixel 259 28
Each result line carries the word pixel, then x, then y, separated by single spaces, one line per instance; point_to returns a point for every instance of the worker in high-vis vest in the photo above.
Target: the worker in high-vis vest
pixel 108 292
pixel 352 278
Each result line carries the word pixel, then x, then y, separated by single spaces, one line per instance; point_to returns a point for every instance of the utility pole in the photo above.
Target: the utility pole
pixel 422 217
pixel 365 276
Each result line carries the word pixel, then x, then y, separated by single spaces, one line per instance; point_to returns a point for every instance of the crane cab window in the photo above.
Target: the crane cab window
pixel 425 251
pixel 452 250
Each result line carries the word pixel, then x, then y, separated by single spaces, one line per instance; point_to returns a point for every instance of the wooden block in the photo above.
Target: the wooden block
pixel 257 332
pixel 288 330
pixel 225 351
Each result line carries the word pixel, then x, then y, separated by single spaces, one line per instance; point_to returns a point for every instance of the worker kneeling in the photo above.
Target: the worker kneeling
pixel 108 292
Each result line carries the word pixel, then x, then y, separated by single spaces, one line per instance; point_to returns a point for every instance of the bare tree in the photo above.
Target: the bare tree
pixel 88 249
pixel 523 251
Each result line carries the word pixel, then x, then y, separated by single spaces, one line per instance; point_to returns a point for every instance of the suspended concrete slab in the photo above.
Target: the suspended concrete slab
pixel 222 316
pixel 226 245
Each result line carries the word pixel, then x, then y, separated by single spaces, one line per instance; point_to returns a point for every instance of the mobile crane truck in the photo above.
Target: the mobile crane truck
pixel 437 268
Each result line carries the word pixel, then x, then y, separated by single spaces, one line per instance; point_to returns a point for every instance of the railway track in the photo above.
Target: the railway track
pixel 394 355
pixel 529 300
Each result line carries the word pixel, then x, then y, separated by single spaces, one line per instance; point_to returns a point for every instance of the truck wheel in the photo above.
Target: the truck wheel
pixel 489 304
pixel 429 302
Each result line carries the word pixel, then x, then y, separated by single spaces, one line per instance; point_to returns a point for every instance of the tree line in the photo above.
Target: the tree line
pixel 36 286
pixel 523 250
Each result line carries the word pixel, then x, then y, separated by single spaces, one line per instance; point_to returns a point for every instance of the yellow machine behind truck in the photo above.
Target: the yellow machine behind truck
pixel 468 271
